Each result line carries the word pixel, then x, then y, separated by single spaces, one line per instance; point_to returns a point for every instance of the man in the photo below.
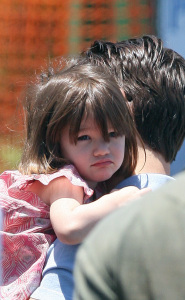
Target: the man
pixel 133 253
pixel 153 80
pixel 150 76
pixel 137 252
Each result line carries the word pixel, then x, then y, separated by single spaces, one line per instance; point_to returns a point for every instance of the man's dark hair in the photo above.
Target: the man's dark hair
pixel 153 80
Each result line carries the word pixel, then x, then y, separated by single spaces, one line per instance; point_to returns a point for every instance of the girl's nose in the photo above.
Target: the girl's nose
pixel 101 148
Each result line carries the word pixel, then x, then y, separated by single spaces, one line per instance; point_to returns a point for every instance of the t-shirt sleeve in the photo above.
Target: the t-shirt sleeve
pixel 68 171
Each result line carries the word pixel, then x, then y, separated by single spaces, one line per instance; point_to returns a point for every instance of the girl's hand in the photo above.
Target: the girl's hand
pixel 129 193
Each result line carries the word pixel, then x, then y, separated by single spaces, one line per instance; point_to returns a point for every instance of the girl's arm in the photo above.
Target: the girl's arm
pixel 71 220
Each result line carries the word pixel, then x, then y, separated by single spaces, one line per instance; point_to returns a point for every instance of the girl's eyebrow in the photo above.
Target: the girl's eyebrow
pixel 91 127
pixel 86 126
pixel 85 129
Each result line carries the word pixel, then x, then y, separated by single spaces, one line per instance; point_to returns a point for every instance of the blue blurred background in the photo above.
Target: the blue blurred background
pixel 171 28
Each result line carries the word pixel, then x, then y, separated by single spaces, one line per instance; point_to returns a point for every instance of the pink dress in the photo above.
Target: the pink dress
pixel 26 230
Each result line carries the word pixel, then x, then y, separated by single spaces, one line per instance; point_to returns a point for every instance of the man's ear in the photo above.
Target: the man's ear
pixel 123 93
pixel 129 103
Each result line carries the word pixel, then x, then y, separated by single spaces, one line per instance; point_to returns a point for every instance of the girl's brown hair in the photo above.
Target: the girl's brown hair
pixel 63 100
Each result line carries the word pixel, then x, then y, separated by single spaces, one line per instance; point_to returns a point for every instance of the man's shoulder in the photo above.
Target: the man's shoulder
pixel 144 180
pixel 154 207
pixel 168 197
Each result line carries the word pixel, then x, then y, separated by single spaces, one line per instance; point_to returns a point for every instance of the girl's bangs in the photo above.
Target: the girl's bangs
pixel 107 110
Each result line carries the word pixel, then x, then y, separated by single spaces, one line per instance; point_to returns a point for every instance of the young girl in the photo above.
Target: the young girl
pixel 79 133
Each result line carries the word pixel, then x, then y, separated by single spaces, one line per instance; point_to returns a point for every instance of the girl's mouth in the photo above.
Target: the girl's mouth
pixel 102 163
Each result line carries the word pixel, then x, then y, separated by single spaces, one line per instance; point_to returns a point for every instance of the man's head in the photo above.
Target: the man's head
pixel 153 80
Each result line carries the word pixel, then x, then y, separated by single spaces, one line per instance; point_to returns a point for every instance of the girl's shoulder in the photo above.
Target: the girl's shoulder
pixel 71 173
pixel 14 180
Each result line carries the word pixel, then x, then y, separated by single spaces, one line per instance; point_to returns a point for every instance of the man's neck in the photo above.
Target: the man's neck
pixel 153 162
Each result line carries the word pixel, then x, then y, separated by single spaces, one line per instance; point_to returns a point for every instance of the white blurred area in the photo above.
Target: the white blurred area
pixel 171 29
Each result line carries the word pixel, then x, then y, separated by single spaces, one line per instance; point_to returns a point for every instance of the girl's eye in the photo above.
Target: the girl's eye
pixel 113 134
pixel 83 138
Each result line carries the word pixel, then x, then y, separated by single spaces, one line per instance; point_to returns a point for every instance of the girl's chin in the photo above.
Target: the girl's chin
pixel 92 184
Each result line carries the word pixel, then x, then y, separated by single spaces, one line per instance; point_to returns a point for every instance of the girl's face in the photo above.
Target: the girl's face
pixel 95 159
